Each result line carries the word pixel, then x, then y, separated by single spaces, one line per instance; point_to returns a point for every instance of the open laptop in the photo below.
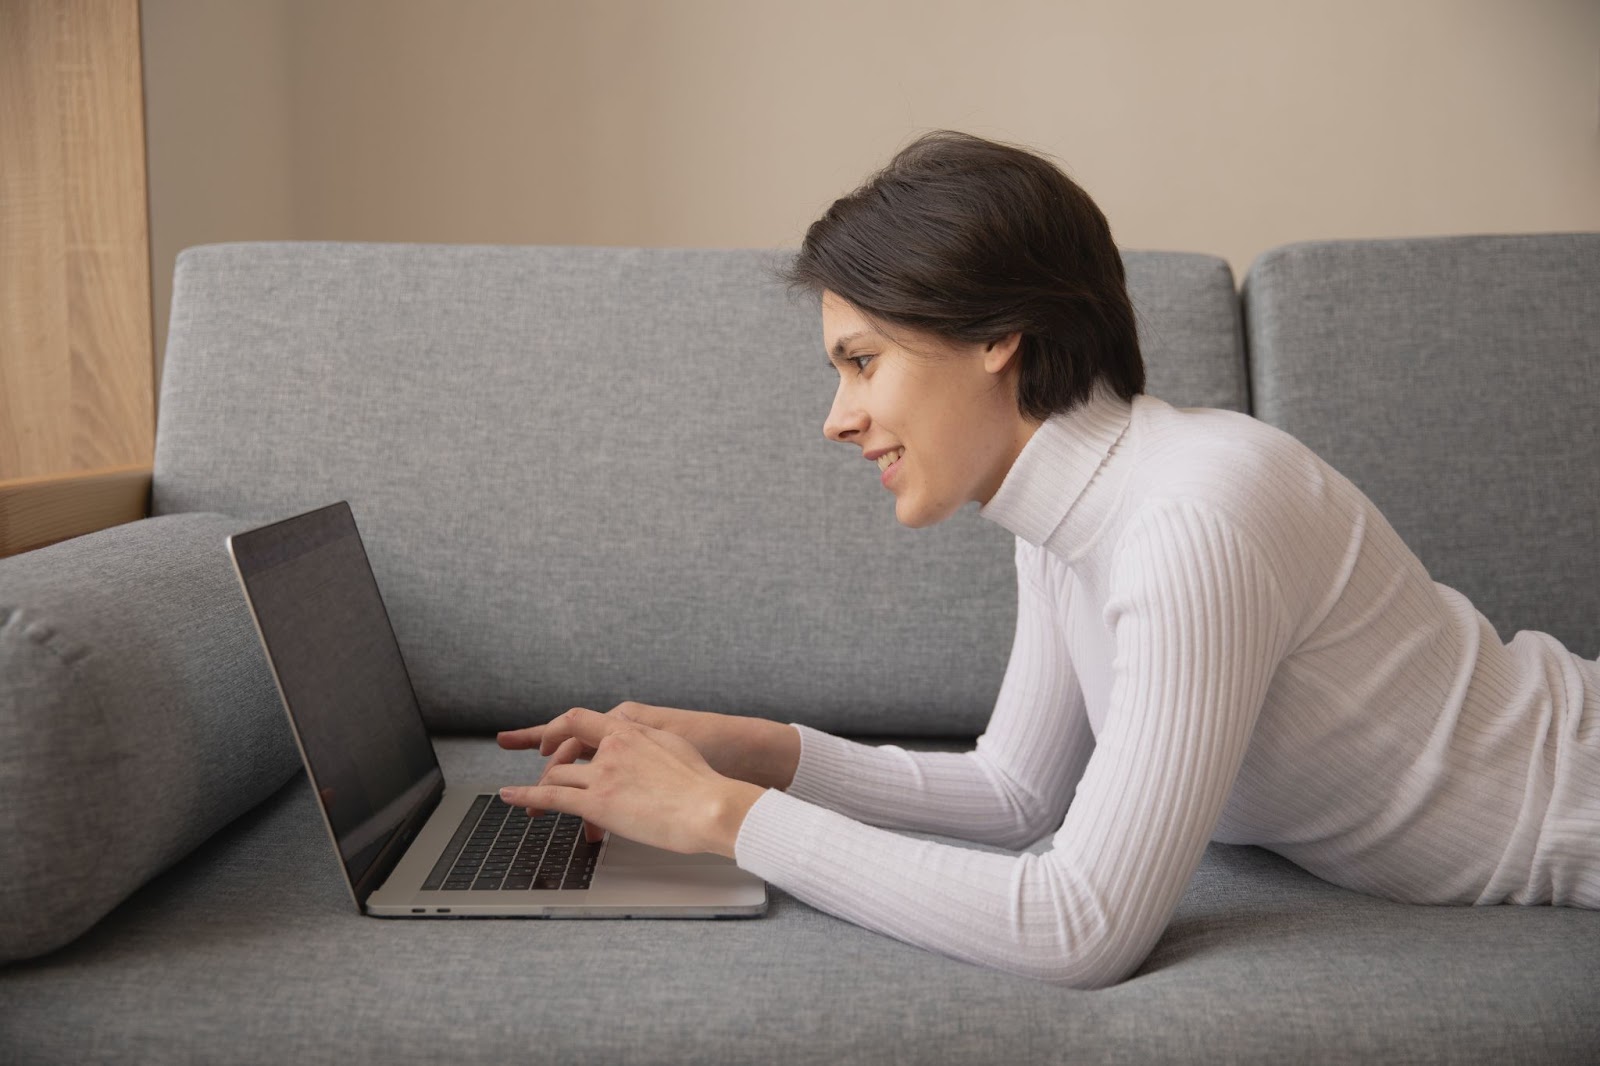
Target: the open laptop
pixel 409 845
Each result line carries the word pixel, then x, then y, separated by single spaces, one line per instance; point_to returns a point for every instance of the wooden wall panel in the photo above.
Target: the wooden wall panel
pixel 39 511
pixel 77 375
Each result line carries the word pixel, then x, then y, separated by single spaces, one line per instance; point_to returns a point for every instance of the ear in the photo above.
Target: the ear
pixel 997 355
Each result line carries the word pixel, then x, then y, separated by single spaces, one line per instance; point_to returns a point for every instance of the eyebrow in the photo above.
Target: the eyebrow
pixel 839 345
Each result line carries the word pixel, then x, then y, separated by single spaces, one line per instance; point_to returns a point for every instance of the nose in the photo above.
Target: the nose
pixel 846 419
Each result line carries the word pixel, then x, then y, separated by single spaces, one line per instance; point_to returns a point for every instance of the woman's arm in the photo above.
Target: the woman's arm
pixel 1010 791
pixel 1015 786
pixel 1199 627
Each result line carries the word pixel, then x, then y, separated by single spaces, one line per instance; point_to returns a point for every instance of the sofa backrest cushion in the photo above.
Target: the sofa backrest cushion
pixel 586 475
pixel 137 716
pixel 1456 380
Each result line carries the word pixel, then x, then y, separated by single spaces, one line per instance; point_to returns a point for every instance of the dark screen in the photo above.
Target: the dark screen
pixel 334 652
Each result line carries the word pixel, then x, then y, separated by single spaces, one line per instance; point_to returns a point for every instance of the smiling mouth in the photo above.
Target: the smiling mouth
pixel 888 459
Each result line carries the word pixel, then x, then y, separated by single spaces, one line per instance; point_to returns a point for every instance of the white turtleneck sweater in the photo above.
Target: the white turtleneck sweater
pixel 1218 638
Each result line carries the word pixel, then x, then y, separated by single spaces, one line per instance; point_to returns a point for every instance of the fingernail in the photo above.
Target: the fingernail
pixel 505 794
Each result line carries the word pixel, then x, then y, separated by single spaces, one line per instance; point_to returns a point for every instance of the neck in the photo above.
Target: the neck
pixel 1054 468
pixel 1021 432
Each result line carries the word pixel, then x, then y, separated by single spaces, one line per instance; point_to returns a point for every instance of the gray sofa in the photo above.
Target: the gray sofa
pixel 586 475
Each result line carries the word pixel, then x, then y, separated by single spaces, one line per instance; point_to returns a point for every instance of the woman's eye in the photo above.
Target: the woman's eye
pixel 860 361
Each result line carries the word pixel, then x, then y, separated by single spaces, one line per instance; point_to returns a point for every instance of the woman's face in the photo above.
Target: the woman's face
pixel 939 418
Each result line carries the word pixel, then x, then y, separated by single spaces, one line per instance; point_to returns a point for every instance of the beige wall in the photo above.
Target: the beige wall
pixel 1228 126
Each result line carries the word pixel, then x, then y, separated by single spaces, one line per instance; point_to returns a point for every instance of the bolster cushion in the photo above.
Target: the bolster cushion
pixel 137 716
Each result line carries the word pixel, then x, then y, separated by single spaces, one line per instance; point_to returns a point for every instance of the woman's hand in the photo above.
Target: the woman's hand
pixel 762 752
pixel 647 784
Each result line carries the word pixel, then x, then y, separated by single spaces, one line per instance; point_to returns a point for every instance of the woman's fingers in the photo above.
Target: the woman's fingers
pixel 519 739
pixel 556 732
pixel 579 721
pixel 529 796
pixel 646 784
pixel 564 740
pixel 570 751
pixel 589 726
pixel 565 777
pixel 570 775
pixel 577 734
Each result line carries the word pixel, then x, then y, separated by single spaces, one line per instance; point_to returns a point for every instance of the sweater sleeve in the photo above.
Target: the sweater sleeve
pixel 1014 786
pixel 1199 627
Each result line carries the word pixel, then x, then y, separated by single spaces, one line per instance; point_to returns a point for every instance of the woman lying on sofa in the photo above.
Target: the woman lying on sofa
pixel 1218 636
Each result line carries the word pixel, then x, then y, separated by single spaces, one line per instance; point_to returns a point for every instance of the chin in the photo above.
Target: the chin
pixel 914 514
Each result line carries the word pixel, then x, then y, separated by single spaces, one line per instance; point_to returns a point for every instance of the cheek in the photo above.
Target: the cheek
pixel 909 403
pixel 951 457
pixel 893 405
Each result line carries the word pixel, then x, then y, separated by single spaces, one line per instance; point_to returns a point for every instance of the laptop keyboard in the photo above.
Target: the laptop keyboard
pixel 498 847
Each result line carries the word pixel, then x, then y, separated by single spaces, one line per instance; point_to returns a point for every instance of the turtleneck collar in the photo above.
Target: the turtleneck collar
pixel 1044 491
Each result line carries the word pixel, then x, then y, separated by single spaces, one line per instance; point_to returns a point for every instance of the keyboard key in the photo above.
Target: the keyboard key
pixel 515 884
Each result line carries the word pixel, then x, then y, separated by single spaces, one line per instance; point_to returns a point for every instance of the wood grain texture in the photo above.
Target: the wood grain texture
pixel 77 380
pixel 38 511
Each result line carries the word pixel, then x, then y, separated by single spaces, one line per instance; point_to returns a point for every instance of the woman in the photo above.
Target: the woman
pixel 1218 636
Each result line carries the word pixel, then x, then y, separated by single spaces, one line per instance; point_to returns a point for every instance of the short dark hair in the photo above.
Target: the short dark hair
pixel 971 240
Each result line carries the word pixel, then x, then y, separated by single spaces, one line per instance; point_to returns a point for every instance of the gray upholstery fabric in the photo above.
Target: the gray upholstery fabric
pixel 1456 380
pixel 593 474
pixel 1190 332
pixel 137 716
pixel 253 952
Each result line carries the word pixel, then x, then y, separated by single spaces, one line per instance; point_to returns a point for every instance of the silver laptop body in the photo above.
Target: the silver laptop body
pixel 395 825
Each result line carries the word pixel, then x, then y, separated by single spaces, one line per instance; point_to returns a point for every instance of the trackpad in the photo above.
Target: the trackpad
pixel 620 851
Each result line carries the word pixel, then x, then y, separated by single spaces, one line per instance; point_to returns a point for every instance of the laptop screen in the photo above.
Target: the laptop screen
pixel 339 669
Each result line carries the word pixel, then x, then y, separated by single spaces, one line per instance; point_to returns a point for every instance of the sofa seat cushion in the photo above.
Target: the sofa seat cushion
pixel 137 716
pixel 252 951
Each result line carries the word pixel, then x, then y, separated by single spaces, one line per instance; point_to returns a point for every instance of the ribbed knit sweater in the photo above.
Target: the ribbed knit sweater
pixel 1218 638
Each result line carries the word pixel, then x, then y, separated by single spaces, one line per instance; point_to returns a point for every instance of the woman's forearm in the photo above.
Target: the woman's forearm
pixel 967 795
pixel 779 756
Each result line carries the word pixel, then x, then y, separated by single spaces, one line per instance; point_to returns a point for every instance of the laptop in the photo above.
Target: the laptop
pixel 410 845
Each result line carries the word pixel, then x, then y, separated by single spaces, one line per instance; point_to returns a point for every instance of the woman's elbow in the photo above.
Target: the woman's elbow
pixel 1063 932
pixel 1022 834
pixel 1081 980
pixel 1075 971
